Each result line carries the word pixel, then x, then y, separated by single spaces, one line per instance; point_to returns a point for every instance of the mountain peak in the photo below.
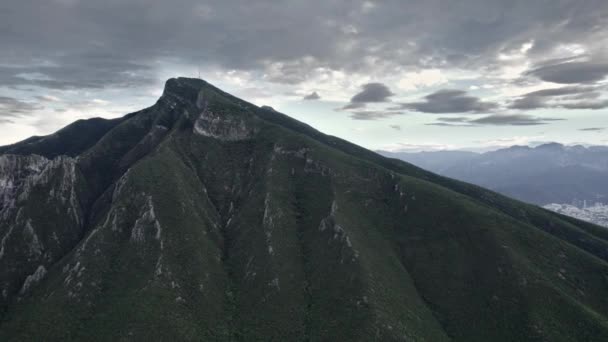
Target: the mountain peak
pixel 553 146
pixel 175 84
pixel 185 88
pixel 204 217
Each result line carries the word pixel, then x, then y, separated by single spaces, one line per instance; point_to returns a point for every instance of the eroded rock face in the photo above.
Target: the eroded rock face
pixel 224 126
pixel 16 172
pixel 37 196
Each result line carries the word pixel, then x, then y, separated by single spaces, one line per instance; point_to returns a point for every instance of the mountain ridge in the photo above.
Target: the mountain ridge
pixel 206 217
pixel 550 173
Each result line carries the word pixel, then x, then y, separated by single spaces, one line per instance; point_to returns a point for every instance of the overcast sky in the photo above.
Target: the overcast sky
pixel 394 75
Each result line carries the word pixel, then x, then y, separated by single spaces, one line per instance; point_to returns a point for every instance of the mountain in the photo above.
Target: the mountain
pixel 549 173
pixel 204 217
pixel 437 161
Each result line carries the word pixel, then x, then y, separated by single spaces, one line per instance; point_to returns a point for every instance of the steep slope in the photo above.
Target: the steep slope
pixel 204 217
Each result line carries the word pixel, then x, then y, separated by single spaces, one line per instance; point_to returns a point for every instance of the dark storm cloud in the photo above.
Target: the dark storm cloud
pixel 312 96
pixel 450 101
pixel 570 97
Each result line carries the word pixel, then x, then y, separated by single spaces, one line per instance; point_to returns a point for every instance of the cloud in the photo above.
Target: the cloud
pixel 450 101
pixel 454 119
pixel 460 121
pixel 11 107
pixel 395 127
pixel 48 98
pixel 99 102
pixel 90 70
pixel 372 92
pixel 312 96
pixel 593 129
pixel 592 105
pixel 512 120
pixel 286 42
pixel 351 106
pixel 569 97
pixel 421 79
pixel 571 72
pixel 447 124
pixel 72 47
pixel 494 120
pixel 373 114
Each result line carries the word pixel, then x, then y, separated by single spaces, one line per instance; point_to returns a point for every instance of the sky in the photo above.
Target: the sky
pixel 396 75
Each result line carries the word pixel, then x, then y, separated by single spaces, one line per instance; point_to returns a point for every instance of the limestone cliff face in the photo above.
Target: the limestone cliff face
pixel 223 126
pixel 41 218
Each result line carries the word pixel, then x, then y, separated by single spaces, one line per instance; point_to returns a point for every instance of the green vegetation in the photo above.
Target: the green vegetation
pixel 260 228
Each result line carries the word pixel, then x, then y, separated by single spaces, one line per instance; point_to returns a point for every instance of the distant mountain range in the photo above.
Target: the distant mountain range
pixel 547 174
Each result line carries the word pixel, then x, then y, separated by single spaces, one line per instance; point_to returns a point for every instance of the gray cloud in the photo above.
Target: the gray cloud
pixel 395 127
pixel 512 120
pixel 459 121
pixel 312 96
pixel 90 46
pixel 74 34
pixel 71 35
pixel 592 105
pixel 569 97
pixel 447 124
pixel 454 119
pixel 450 101
pixel 494 120
pixel 351 106
pixel 571 72
pixel 373 114
pixel 372 92
pixel 11 107
pixel 593 129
